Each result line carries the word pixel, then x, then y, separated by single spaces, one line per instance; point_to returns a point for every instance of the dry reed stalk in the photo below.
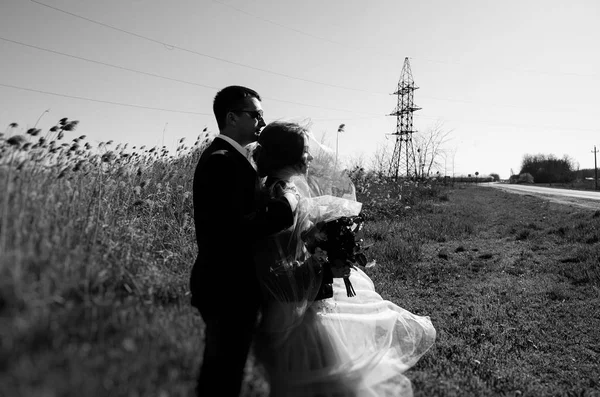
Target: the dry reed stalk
pixel 4 230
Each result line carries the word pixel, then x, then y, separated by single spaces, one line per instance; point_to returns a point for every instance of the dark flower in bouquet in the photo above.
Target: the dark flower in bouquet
pixel 339 244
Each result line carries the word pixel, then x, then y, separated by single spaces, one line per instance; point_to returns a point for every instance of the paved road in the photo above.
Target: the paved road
pixel 580 197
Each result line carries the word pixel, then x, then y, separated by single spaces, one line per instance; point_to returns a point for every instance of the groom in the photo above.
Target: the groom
pixel 228 217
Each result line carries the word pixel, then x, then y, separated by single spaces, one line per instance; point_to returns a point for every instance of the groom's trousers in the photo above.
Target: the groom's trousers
pixel 227 340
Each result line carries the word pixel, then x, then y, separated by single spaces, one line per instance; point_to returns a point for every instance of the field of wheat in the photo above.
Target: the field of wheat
pixel 96 245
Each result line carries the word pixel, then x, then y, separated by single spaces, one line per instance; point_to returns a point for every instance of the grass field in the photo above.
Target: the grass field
pixel 96 252
pixel 511 283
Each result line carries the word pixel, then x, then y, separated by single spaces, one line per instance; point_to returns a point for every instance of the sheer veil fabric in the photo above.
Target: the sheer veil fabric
pixel 357 346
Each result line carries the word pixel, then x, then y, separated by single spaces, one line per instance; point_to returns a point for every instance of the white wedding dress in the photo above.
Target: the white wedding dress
pixel 358 346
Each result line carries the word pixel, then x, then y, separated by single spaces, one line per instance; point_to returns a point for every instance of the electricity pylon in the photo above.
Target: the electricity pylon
pixel 404 154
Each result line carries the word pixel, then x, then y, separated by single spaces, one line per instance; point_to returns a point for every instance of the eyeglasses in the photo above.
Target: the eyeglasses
pixel 256 114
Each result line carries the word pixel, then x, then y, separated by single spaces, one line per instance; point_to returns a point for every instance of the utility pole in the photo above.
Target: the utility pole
pixel 595 169
pixel 337 137
pixel 453 160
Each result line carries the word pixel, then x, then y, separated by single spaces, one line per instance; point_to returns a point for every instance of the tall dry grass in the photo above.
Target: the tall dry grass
pixel 84 232
pixel 96 245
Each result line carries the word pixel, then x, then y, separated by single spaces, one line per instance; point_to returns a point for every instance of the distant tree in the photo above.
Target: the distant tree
pixel 495 177
pixel 548 168
pixel 525 177
pixel 586 173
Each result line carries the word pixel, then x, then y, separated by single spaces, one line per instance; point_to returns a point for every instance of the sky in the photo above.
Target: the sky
pixel 502 79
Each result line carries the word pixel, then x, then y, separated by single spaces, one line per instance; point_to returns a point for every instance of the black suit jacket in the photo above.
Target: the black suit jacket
pixel 229 215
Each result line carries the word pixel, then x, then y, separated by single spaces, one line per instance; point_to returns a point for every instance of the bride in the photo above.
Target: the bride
pixel 313 339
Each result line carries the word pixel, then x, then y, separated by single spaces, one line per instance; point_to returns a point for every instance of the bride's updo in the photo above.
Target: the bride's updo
pixel 280 147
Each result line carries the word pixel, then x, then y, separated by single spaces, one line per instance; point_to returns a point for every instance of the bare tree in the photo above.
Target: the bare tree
pixel 429 148
pixel 380 161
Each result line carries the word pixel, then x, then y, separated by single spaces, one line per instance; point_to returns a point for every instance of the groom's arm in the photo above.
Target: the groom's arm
pixel 276 213
pixel 271 216
pixel 221 197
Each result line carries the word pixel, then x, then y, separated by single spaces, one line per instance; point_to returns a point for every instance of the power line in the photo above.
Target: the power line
pixel 166 77
pixel 103 101
pixel 349 118
pixel 302 32
pixel 374 50
pixel 217 88
pixel 470 121
pixel 529 71
pixel 148 107
pixel 173 46
pixel 317 119
pixel 199 84
pixel 493 104
pixel 106 64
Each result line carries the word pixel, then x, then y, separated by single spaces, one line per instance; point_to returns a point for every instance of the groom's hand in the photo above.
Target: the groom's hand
pixel 290 193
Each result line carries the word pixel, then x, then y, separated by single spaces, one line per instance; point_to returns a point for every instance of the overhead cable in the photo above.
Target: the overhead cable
pixel 170 78
pixel 103 101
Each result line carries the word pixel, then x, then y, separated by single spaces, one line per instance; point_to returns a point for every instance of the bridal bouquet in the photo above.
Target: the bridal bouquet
pixel 339 243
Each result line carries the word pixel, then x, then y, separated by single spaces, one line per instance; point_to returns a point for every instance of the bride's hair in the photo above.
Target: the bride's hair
pixel 280 145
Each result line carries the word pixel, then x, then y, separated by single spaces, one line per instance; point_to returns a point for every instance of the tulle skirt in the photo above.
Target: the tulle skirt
pixel 343 346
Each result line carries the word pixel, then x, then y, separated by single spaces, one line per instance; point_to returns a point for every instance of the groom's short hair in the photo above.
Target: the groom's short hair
pixel 229 99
